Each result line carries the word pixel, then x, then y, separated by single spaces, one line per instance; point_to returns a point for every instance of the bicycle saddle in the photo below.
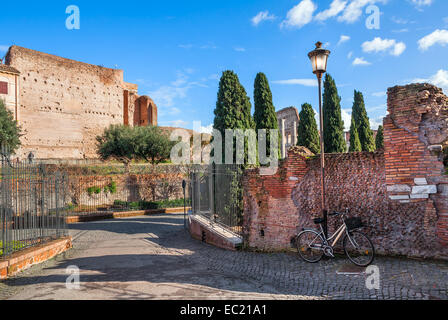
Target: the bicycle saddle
pixel 319 220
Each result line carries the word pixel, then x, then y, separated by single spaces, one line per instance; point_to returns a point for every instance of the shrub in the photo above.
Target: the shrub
pixel 111 187
pixel 92 190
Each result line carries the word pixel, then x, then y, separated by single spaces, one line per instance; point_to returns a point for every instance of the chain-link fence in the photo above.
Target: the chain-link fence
pixel 32 204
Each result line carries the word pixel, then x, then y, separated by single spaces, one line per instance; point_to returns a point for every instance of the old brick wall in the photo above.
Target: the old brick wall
pixel 65 104
pixel 392 191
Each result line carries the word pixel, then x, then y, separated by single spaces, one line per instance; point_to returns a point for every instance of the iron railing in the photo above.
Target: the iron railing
pixel 107 188
pixel 217 194
pixel 32 204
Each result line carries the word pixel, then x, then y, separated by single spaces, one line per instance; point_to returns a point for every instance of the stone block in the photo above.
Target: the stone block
pixel 420 181
pixel 399 188
pixel 429 189
pixel 401 197
pixel 420 196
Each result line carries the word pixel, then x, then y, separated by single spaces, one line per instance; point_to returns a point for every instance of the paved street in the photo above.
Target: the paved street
pixel 154 258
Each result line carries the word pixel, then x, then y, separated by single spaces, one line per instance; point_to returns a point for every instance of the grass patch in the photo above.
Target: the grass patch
pixel 148 205
pixel 13 245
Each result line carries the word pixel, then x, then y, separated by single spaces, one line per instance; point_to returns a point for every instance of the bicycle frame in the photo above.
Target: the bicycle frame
pixel 336 236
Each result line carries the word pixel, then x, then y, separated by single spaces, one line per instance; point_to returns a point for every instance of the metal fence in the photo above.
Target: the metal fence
pixel 217 194
pixel 106 188
pixel 32 204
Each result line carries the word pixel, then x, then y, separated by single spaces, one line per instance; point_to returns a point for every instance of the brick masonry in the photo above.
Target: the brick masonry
pixel 24 259
pixel 401 194
pixel 64 104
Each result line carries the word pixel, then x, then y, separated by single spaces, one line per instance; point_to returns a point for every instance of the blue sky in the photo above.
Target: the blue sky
pixel 176 50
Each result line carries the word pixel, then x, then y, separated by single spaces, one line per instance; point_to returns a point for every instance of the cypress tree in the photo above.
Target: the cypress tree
pixel 265 116
pixel 362 123
pixel 379 141
pixel 233 107
pixel 355 144
pixel 333 124
pixel 307 133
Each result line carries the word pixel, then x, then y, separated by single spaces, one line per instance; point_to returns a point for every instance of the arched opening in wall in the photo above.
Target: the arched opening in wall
pixel 137 113
pixel 126 107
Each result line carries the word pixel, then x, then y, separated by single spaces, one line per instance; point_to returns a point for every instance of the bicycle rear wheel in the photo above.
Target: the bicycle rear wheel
pixel 359 249
pixel 310 246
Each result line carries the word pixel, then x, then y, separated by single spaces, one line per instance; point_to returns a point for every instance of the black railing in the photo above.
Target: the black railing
pixel 217 194
pixel 32 204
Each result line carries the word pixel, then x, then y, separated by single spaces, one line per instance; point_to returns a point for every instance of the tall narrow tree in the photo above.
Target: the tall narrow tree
pixel 379 141
pixel 265 116
pixel 362 123
pixel 233 107
pixel 333 124
pixel 307 133
pixel 355 144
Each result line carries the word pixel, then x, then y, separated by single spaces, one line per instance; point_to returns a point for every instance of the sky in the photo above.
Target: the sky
pixel 176 51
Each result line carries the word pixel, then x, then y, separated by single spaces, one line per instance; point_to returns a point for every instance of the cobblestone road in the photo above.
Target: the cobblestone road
pixel 155 258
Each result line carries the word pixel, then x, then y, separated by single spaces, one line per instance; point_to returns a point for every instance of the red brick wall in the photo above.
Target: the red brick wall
pixel 379 187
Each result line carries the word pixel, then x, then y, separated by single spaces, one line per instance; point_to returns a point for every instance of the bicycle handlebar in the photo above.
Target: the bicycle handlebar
pixel 335 213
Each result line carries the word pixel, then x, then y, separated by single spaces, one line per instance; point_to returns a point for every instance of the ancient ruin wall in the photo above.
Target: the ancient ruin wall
pixel 402 195
pixel 64 104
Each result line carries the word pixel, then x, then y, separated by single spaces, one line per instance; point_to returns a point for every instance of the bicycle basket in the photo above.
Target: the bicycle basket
pixel 354 223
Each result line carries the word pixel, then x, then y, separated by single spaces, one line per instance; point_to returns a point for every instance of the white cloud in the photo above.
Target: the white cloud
pixel 302 82
pixel 207 129
pixel 437 37
pixel 300 15
pixel 355 9
pixel 186 46
pixel 336 7
pixel 350 55
pixel 166 95
pixel 375 123
pixel 343 39
pixel 440 79
pixel 379 94
pixel 174 123
pixel 262 16
pixel 401 30
pixel 399 20
pixel 384 45
pixel 420 3
pixel 361 62
pixel 346 115
pixel 240 49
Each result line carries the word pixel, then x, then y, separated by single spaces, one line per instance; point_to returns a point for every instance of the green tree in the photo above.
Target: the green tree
pixel 124 143
pixel 153 145
pixel 379 141
pixel 307 133
pixel 362 123
pixel 265 116
pixel 355 144
pixel 333 124
pixel 233 107
pixel 10 131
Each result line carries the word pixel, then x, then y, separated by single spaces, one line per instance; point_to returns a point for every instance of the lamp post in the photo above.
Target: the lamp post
pixel 319 59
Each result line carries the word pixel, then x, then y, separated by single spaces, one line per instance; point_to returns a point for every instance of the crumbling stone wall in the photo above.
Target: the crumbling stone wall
pixel 401 194
pixel 65 104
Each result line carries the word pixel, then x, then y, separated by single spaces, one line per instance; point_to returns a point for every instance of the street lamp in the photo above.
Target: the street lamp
pixel 319 58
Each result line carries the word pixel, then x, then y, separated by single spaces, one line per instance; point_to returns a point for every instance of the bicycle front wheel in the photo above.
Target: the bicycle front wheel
pixel 310 246
pixel 359 249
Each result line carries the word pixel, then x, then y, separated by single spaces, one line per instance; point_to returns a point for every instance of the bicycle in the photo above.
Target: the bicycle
pixel 312 245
